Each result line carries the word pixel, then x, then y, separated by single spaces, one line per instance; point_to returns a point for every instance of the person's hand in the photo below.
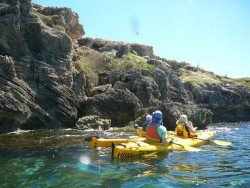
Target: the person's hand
pixel 170 140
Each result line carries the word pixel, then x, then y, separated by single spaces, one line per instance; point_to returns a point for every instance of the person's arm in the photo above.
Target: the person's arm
pixel 191 127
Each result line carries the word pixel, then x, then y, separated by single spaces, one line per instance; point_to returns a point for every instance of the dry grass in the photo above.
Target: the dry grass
pixel 243 81
pixel 199 78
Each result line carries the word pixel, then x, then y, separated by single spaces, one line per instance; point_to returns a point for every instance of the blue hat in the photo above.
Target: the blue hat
pixel 157 114
pixel 157 118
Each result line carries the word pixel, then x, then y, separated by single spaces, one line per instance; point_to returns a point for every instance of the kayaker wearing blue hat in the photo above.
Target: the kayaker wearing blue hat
pixel 156 131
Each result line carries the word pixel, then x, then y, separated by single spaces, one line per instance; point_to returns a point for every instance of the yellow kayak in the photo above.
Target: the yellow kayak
pixel 130 149
pixel 107 142
pixel 140 145
pixel 202 137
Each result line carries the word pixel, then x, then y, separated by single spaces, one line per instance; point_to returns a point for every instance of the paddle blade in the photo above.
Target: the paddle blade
pixel 149 155
pixel 189 148
pixel 221 143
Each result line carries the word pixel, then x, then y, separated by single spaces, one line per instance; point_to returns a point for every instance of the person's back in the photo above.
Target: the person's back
pixel 184 128
pixel 181 130
pixel 156 131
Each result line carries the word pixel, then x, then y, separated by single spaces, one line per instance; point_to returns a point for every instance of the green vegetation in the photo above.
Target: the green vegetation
pixel 93 62
pixel 49 20
pixel 199 78
pixel 243 81
pixel 44 17
pixel 130 62
pixel 89 61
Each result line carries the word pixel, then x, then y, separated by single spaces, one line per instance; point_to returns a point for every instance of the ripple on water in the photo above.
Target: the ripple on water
pixel 68 164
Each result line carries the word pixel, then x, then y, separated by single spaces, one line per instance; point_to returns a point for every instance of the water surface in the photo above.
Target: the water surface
pixel 62 159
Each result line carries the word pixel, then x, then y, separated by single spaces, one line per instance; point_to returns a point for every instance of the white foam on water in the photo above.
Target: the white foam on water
pixel 19 131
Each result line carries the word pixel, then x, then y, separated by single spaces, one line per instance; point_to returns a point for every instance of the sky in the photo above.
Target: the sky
pixel 211 34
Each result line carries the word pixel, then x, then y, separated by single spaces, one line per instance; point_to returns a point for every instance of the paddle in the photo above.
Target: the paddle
pixel 188 148
pixel 218 142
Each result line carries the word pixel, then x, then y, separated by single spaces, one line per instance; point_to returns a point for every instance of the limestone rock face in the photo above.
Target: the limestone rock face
pixel 47 69
pixel 144 88
pixel 93 122
pixel 64 17
pixel 229 103
pixel 40 88
pixel 101 89
pixel 161 90
pixel 121 106
pixel 120 47
pixel 200 117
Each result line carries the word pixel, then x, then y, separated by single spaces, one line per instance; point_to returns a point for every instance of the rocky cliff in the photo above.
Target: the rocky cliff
pixel 40 87
pixel 158 83
pixel 50 76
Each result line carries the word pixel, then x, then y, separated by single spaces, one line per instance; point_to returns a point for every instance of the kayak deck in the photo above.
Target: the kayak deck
pixel 107 142
pixel 129 149
pixel 140 145
pixel 202 138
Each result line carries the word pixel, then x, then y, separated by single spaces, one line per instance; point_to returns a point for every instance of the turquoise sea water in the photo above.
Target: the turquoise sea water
pixel 62 159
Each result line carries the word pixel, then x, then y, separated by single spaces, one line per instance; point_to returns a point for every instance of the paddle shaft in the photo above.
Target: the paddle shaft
pixel 203 139
pixel 217 142
pixel 189 148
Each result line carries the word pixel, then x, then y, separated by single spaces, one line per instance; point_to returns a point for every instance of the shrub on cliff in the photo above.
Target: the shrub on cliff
pixel 199 78
pixel 93 62
pixel 243 81
pixel 130 62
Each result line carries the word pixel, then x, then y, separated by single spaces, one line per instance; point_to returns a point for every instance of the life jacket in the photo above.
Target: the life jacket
pixel 151 133
pixel 182 131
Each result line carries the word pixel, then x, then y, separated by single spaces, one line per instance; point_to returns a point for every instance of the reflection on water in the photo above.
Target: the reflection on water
pixel 62 159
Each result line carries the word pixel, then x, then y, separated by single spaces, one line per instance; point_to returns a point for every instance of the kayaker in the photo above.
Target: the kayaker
pixel 185 128
pixel 147 122
pixel 155 130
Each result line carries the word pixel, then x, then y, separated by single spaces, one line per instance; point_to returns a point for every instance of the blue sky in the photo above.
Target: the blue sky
pixel 211 34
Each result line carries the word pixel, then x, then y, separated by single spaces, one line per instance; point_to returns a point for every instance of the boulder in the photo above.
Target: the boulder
pixel 93 122
pixel 121 106
pixel 101 89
